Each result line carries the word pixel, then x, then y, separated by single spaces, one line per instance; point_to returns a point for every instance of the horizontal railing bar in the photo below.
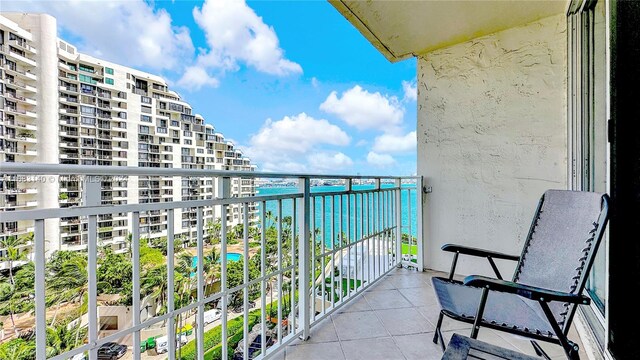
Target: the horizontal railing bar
pixel 57 169
pixel 334 251
pixel 50 213
pixel 352 192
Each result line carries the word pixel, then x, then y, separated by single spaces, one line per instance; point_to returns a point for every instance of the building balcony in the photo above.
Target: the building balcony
pixel 21 86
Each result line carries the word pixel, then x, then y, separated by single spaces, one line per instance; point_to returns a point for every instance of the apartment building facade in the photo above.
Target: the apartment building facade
pixel 60 106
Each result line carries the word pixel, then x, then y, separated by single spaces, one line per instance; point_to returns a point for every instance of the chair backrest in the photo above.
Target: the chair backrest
pixel 562 242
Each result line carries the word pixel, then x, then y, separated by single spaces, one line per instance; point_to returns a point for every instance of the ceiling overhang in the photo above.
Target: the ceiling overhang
pixel 402 29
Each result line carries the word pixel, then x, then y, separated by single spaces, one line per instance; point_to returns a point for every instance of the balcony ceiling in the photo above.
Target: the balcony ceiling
pixel 401 29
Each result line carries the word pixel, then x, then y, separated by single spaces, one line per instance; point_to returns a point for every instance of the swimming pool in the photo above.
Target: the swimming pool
pixel 230 257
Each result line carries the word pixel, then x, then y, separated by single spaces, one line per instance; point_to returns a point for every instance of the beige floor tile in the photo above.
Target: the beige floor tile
pixel 323 351
pixel 420 296
pixel 418 347
pixel 358 325
pixel 404 321
pixel 386 299
pixel 324 331
pixel 371 349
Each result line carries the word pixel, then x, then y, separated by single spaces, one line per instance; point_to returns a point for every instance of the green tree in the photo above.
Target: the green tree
pixel 62 338
pixel 18 349
pixel 114 274
pixel 154 283
pixel 14 250
pixel 214 229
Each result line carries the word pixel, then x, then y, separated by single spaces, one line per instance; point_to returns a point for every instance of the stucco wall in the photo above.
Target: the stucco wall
pixel 491 138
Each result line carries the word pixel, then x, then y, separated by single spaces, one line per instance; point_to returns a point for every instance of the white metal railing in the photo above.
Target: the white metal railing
pixel 312 252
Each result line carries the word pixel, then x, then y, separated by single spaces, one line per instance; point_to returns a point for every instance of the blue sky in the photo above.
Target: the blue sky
pixel 290 82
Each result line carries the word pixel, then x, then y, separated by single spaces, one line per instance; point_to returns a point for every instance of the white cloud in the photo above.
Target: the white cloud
pixel 390 143
pixel 364 110
pixel 410 90
pixel 235 33
pixel 296 144
pixel 195 77
pixel 362 142
pixel 314 82
pixel 133 33
pixel 329 162
pixel 380 160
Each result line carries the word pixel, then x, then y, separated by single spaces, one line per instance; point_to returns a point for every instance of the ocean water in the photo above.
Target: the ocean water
pixel 408 212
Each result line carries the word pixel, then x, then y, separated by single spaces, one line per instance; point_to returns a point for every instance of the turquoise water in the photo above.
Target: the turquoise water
pixel 408 216
pixel 230 257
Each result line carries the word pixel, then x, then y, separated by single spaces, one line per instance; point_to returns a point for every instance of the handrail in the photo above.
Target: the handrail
pixel 57 169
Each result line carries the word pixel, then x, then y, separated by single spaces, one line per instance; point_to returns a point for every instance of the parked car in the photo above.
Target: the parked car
pixel 111 351
pixel 211 316
pixel 162 343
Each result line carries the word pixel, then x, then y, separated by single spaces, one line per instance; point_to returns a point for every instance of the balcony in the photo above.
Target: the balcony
pixel 356 242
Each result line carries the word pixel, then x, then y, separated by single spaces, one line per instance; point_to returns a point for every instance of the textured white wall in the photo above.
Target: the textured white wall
pixel 491 138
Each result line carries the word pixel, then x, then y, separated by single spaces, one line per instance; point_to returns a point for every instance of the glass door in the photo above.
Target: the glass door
pixel 587 114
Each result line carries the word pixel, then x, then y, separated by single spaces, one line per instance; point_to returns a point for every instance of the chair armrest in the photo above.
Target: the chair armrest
pixel 529 292
pixel 478 252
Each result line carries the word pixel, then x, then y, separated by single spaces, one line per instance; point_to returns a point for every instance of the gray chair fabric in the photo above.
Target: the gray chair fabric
pixel 554 257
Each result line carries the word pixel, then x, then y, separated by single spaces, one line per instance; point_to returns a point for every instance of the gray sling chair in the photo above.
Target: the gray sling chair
pixel 540 301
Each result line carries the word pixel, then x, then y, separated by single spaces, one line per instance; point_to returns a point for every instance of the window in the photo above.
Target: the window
pixel 88 120
pixel 587 118
pixel 108 70
pixel 145 99
pixel 87 79
pixel 144 129
pixel 145 118
pixel 145 109
pixel 108 81
pixel 187 142
pixel 86 68
pixel 88 110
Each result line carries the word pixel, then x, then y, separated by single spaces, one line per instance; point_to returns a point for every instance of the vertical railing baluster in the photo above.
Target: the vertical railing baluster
pixel 135 259
pixel 171 332
pixel 263 273
pixel 92 197
pixel 348 208
pixel 369 250
pixel 419 229
pixel 356 238
pixel 304 185
pixel 223 189
pixel 409 228
pixel 200 281
pixel 333 250
pixel 312 270
pixel 361 243
pixel 398 221
pixel 279 271
pixel 292 280
pixel 245 269
pixel 323 252
pixel 40 289
pixel 339 246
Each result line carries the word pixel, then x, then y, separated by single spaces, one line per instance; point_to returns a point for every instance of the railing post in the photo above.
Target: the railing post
pixel 398 209
pixel 223 191
pixel 304 186
pixel 92 194
pixel 40 290
pixel 419 220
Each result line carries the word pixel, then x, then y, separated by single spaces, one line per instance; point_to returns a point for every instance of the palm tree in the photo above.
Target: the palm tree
pixel 211 269
pixel 154 283
pixel 70 283
pixel 270 219
pixel 62 338
pixel 18 350
pixel 13 253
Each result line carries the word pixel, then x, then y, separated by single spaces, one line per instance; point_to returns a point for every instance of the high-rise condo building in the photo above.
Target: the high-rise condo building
pixel 59 106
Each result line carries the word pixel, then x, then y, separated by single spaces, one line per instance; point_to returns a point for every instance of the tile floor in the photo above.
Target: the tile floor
pixel 395 319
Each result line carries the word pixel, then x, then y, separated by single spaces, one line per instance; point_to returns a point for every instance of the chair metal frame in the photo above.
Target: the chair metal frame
pixel 540 295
